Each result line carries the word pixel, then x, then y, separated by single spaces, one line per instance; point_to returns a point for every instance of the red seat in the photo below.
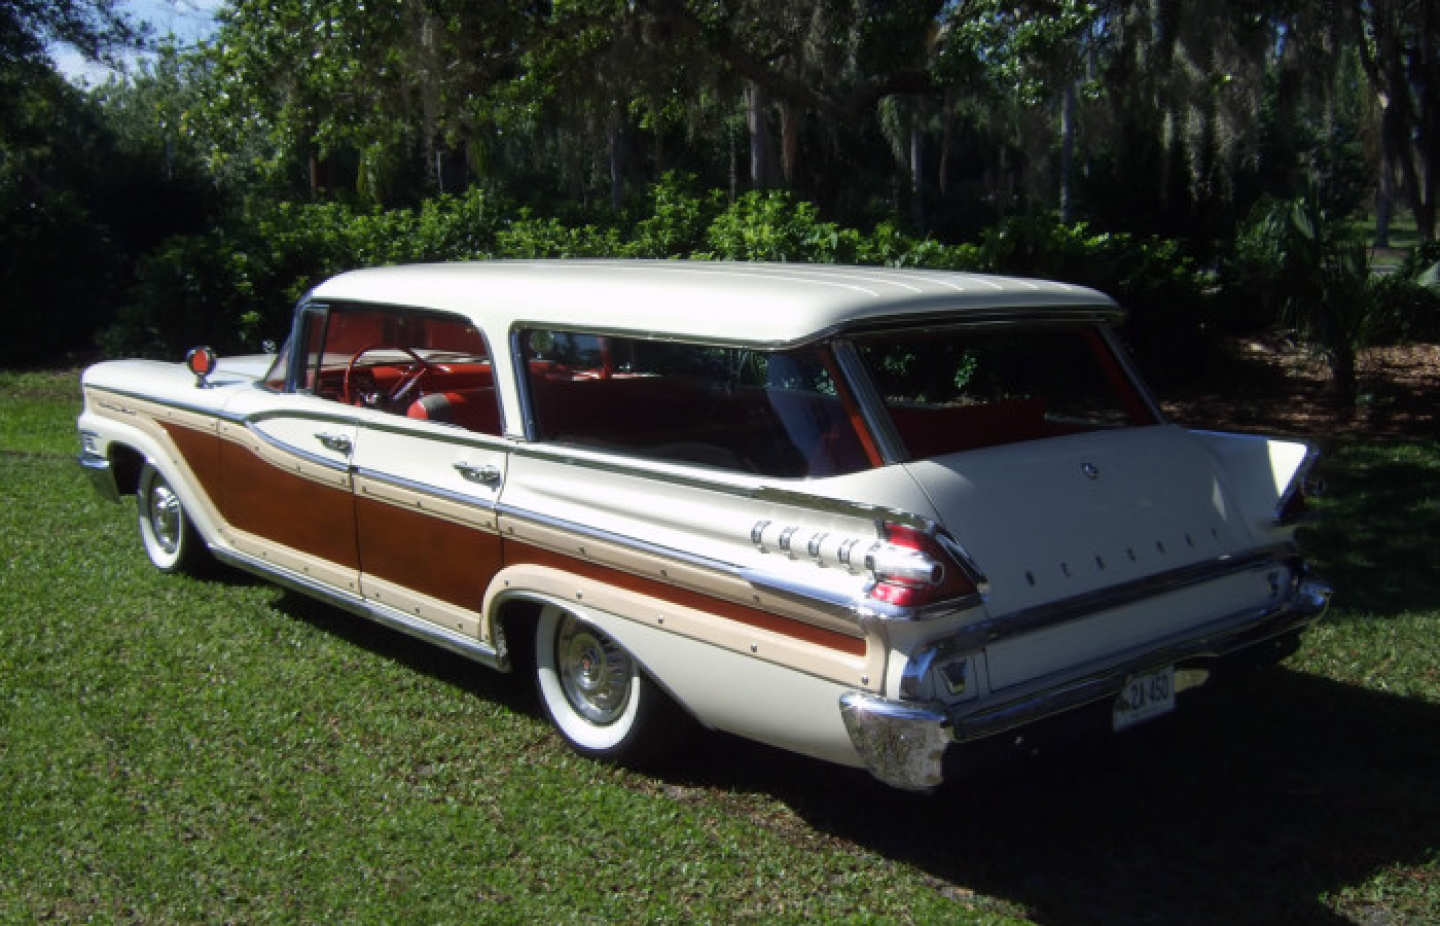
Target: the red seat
pixel 472 409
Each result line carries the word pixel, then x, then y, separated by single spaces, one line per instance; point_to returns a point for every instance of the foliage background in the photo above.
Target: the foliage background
pixel 1143 147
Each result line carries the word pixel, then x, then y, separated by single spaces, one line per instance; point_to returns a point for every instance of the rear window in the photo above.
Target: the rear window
pixel 965 388
pixel 777 413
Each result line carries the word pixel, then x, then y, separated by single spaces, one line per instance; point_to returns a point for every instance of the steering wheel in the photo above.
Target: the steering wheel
pixel 417 368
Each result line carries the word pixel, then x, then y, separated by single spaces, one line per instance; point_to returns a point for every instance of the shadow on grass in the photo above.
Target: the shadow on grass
pixel 513 689
pixel 1373 538
pixel 1246 806
pixel 1244 809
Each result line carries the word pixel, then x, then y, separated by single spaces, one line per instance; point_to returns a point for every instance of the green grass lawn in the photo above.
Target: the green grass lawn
pixel 220 750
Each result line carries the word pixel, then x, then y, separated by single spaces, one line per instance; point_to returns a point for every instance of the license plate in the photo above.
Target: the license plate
pixel 1145 696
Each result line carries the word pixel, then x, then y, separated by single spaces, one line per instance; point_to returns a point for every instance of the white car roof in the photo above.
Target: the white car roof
pixel 744 303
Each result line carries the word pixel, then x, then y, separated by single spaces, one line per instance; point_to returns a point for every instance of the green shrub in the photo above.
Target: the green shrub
pixel 678 221
pixel 236 285
pixel 770 225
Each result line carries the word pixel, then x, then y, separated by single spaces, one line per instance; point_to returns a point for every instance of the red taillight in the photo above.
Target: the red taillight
pixel 912 569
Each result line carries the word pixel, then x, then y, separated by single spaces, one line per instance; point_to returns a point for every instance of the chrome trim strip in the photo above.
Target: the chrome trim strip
pixel 858 608
pixel 457 643
pixel 209 412
pixel 872 407
pixel 1004 626
pixel 306 455
pixel 648 469
pixel 442 431
pixel 595 533
pixel 303 413
pixel 424 488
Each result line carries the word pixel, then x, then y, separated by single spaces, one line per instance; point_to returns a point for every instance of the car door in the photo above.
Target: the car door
pixel 425 497
pixel 427 468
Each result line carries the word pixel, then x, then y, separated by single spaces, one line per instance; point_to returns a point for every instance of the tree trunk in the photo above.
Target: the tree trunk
pixel 917 171
pixel 763 169
pixel 1343 379
pixel 947 134
pixel 789 140
pixel 1067 154
pixel 1384 199
pixel 616 143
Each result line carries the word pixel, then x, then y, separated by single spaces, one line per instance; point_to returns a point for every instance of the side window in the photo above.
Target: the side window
pixel 964 388
pixel 423 365
pixel 778 413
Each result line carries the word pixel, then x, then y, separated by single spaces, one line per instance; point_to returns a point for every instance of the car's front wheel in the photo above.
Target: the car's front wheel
pixel 594 691
pixel 171 540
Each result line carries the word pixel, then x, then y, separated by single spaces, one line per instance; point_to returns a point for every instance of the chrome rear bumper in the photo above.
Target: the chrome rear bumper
pixel 903 743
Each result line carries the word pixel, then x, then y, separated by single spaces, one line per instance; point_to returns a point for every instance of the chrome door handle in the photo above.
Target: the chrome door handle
pixel 485 474
pixel 336 442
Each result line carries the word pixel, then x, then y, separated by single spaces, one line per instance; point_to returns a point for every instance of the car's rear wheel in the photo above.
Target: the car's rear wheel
pixel 593 689
pixel 170 538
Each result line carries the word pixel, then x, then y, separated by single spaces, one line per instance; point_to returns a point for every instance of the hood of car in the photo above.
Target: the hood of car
pixel 1050 519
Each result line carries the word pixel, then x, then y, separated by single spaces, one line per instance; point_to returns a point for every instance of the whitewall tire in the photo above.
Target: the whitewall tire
pixel 593 690
pixel 170 539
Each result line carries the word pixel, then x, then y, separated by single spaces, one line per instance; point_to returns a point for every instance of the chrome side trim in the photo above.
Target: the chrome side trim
pixel 457 643
pixel 701 479
pixel 425 488
pixel 208 411
pixel 595 533
pixel 1003 626
pixel 303 414
pixel 338 466
pixel 858 608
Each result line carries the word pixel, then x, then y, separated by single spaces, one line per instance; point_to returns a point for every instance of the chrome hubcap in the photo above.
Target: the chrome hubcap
pixel 594 672
pixel 165 517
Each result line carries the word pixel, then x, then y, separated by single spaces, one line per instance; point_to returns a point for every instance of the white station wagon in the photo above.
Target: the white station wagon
pixel 874 516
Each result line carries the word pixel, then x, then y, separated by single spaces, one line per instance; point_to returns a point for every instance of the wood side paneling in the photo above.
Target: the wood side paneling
pixel 286 508
pixel 431 555
pixel 201 450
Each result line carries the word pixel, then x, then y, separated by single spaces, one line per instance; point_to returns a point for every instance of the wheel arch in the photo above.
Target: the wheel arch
pixel 126 463
pixel 512 611
pixel 719 688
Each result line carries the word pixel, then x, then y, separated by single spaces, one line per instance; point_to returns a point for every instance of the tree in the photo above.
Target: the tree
pixel 1399 42
pixel 95 27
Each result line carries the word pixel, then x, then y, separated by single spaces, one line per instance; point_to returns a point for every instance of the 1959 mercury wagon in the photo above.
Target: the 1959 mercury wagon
pixel 867 515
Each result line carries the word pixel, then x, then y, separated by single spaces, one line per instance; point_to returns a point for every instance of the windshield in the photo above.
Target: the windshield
pixel 964 388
